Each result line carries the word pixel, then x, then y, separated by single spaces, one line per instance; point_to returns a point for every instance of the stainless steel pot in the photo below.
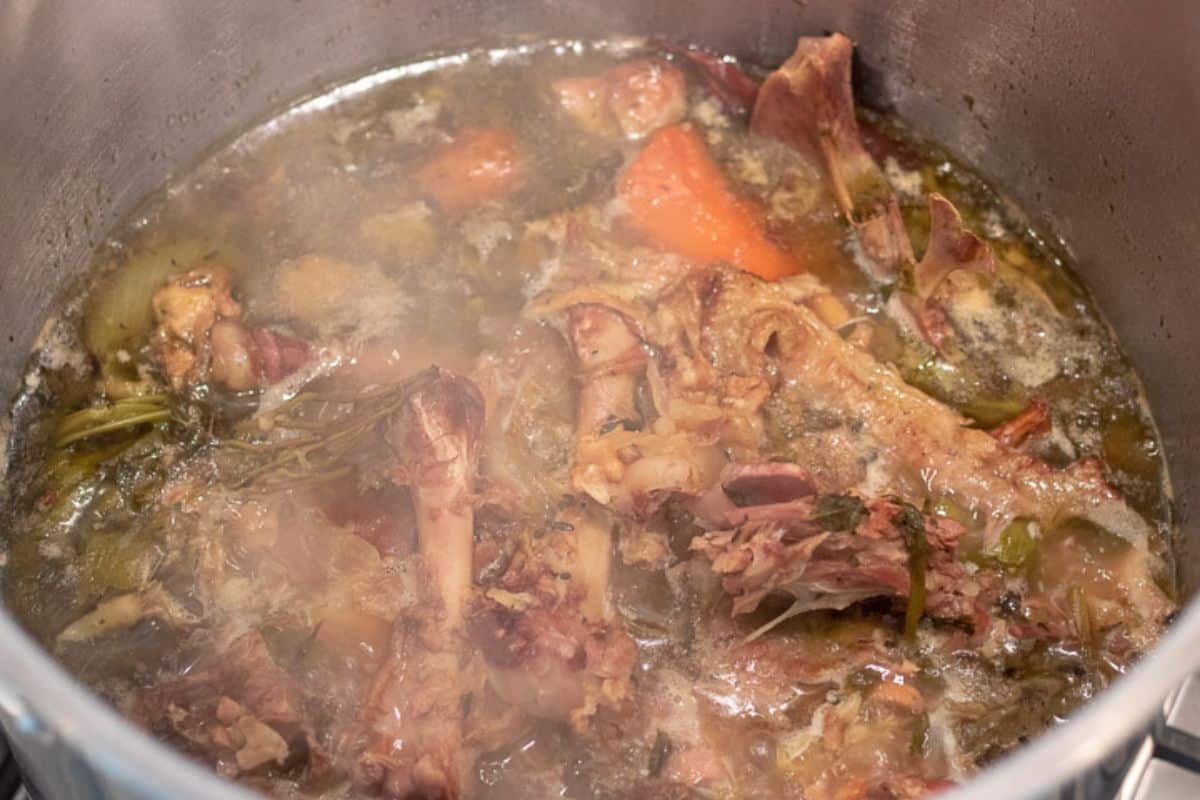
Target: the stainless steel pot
pixel 1086 112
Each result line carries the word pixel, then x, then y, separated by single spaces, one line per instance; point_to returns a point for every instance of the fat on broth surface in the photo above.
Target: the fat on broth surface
pixel 440 437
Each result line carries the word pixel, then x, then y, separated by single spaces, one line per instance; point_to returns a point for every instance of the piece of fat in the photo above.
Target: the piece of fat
pixel 905 182
pixel 708 112
pixel 124 611
pixel 409 124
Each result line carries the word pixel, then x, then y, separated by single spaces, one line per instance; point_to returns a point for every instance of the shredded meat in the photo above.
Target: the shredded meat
pixel 834 554
pixel 238 707
pixel 546 651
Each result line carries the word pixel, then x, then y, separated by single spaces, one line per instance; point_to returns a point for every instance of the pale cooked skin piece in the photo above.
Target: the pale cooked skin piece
pixel 913 431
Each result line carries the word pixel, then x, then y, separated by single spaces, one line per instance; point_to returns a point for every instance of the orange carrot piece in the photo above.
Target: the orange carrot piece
pixel 678 199
pixel 479 165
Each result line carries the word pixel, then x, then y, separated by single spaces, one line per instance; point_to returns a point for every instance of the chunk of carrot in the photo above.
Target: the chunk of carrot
pixel 478 166
pixel 679 200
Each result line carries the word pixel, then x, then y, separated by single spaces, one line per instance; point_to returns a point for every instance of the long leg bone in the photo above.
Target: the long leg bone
pixel 436 436
pixel 413 719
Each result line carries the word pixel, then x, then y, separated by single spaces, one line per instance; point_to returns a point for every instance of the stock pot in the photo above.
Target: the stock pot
pixel 1085 112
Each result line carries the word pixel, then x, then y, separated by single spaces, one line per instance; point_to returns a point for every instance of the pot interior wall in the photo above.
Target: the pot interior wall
pixel 1084 128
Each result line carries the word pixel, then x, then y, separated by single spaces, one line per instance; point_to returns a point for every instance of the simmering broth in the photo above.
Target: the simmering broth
pixel 590 420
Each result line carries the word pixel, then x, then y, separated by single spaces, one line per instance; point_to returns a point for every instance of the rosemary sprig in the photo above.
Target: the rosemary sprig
pixel 321 450
pixel 117 416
